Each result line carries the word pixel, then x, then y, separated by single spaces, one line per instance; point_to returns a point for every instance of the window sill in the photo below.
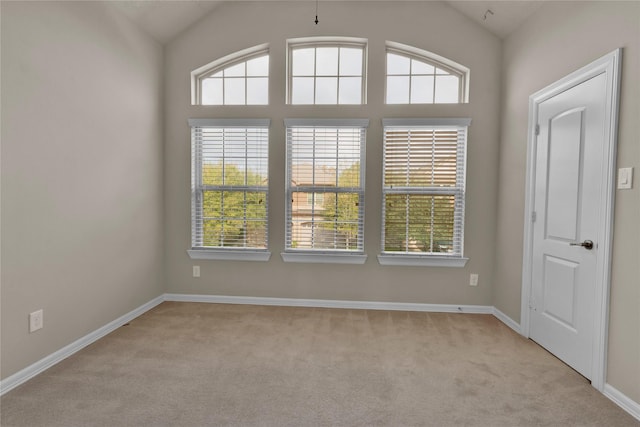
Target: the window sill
pixel 422 260
pixel 223 255
pixel 324 258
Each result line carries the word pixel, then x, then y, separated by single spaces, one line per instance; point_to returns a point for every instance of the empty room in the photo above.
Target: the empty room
pixel 318 213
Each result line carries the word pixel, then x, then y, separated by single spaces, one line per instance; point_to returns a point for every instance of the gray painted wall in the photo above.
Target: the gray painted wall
pixel 90 250
pixel 427 25
pixel 560 38
pixel 81 173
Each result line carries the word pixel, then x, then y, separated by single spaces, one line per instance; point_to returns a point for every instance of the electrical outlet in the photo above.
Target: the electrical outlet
pixel 196 271
pixel 473 280
pixel 36 320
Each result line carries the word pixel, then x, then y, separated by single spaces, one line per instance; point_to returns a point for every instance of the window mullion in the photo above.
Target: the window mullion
pixel 222 219
pixel 197 222
pixel 433 165
pixel 246 177
pixel 432 217
pixel 244 219
pixel 314 225
pixel 337 177
pixel 315 74
pixel 410 78
pixel 246 84
pixel 407 222
pixel 407 175
pixel 338 79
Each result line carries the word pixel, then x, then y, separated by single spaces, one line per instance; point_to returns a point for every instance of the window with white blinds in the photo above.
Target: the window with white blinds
pixel 230 185
pixel 325 186
pixel 424 187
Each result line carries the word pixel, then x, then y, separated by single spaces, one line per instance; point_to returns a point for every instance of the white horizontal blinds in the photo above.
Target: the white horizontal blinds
pixel 423 189
pixel 230 184
pixel 421 157
pixel 325 186
pixel 244 82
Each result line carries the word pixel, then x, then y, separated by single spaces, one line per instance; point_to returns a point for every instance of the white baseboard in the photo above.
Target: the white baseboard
pixel 622 400
pixel 31 371
pixel 507 320
pixel 320 303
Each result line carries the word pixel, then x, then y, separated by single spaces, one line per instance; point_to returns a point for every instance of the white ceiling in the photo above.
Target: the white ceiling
pixel 165 19
pixel 500 17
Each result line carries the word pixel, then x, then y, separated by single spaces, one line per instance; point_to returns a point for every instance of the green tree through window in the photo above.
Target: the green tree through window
pixel 233 218
pixel 343 209
pixel 419 223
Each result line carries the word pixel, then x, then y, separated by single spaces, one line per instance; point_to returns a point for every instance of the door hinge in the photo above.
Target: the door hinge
pixel 533 216
pixel 537 131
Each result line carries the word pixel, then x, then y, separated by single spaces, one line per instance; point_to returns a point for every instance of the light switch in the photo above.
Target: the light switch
pixel 625 178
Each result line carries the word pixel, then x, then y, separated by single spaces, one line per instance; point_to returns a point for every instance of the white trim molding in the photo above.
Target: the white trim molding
pixel 507 320
pixel 422 260
pixel 31 371
pixel 230 123
pixel 622 400
pixel 320 303
pixel 229 255
pixel 324 258
pixel 428 121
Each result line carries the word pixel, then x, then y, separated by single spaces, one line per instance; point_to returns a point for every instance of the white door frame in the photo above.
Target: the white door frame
pixel 610 65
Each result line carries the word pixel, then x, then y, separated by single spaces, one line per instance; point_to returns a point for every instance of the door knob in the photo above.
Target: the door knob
pixel 587 244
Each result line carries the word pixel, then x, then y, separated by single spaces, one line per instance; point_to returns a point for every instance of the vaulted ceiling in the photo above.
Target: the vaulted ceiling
pixel 164 20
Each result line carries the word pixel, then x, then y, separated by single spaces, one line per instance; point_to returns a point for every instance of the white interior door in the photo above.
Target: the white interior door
pixel 567 205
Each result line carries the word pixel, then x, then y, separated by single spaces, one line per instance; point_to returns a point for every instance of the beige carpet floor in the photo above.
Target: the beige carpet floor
pixel 187 364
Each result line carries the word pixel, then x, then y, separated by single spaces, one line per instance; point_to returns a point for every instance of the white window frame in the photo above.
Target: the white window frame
pixel 455 259
pixel 202 73
pixel 315 42
pixel 198 251
pixel 338 256
pixel 463 73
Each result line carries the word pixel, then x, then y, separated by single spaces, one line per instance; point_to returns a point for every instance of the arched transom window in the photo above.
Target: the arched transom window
pixel 415 76
pixel 241 78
